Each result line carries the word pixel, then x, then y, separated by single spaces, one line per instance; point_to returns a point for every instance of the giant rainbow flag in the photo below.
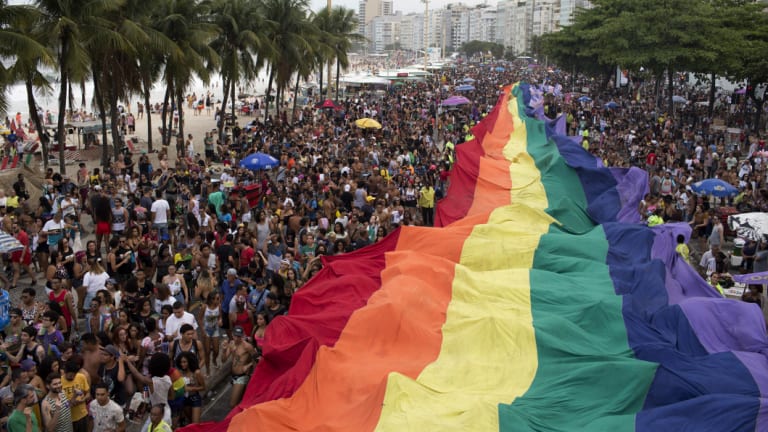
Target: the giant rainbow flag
pixel 539 304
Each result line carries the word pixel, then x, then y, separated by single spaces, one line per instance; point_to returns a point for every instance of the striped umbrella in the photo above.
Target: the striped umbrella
pixel 9 244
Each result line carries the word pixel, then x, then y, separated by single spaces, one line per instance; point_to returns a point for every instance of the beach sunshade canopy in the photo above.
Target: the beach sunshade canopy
pixel 611 105
pixel 714 187
pixel 367 123
pixel 465 87
pixel 327 104
pixel 455 101
pixel 679 99
pixel 259 161
pixel 585 99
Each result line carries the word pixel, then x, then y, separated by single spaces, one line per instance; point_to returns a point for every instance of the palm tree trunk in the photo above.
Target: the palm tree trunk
pixel 295 98
pixel 163 115
pixel 320 90
pixel 225 85
pixel 71 100
pixel 117 144
pixel 103 116
pixel 147 85
pixel 269 91
pixel 180 101
pixel 338 67
pixel 278 90
pixel 179 104
pixel 38 123
pixel 712 89
pixel 232 94
pixel 63 80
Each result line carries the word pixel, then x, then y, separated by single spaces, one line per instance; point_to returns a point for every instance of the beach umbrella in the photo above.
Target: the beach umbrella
pixel 468 80
pixel 611 105
pixel 329 104
pixel 584 99
pixel 455 101
pixel 679 99
pixel 499 69
pixel 367 123
pixel 741 91
pixel 714 187
pixel 259 161
pixel 9 244
pixel 465 87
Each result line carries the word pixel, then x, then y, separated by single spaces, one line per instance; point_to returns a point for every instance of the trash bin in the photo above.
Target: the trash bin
pixel 736 257
pixel 5 306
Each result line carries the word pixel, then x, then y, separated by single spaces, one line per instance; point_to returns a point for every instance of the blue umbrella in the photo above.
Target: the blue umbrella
pixel 499 69
pixel 715 187
pixel 584 99
pixel 468 80
pixel 611 105
pixel 465 87
pixel 9 244
pixel 259 161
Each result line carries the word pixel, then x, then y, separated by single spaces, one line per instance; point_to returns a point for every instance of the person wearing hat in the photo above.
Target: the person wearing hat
pixel 243 357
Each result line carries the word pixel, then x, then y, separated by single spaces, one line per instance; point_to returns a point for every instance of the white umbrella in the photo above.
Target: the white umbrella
pixel 679 99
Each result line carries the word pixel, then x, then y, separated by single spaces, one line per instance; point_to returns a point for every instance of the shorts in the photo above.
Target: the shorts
pixel 193 400
pixel 209 154
pixel 42 248
pixel 240 379
pixel 16 258
pixel 103 228
pixel 212 332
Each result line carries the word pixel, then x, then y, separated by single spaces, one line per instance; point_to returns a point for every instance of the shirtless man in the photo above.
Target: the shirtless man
pixel 243 356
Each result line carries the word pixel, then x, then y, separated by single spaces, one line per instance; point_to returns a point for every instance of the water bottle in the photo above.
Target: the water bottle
pixel 146 394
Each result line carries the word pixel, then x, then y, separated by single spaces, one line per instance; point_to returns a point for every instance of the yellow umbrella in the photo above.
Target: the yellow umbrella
pixel 367 123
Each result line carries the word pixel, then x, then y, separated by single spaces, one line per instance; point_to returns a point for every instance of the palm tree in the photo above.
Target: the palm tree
pixel 241 45
pixel 343 25
pixel 26 38
pixel 186 23
pixel 324 42
pixel 290 36
pixel 68 24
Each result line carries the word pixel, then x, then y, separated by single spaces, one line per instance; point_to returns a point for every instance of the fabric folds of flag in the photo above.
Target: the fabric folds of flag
pixel 539 304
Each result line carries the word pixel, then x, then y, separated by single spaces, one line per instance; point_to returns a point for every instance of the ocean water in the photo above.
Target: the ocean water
pixel 17 94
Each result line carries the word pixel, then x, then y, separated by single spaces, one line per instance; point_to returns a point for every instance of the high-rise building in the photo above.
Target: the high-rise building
pixel 568 9
pixel 412 32
pixel 370 9
pixel 384 32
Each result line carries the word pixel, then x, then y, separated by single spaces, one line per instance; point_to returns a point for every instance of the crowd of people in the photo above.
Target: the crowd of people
pixel 193 257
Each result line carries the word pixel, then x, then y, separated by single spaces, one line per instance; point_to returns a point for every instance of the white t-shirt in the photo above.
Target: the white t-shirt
pixel 160 208
pixel 173 324
pixel 105 417
pixel 93 283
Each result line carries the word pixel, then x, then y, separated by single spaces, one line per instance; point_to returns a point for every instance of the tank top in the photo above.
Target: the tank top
pixel 62 304
pixel 242 320
pixel 28 315
pixel 118 219
pixel 178 350
pixel 211 317
pixel 175 286
pixel 65 417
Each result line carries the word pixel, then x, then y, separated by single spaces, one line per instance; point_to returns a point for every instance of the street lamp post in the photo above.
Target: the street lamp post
pixel 426 34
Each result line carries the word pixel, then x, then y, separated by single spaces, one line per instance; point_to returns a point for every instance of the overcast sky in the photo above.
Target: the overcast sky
pixel 406 6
